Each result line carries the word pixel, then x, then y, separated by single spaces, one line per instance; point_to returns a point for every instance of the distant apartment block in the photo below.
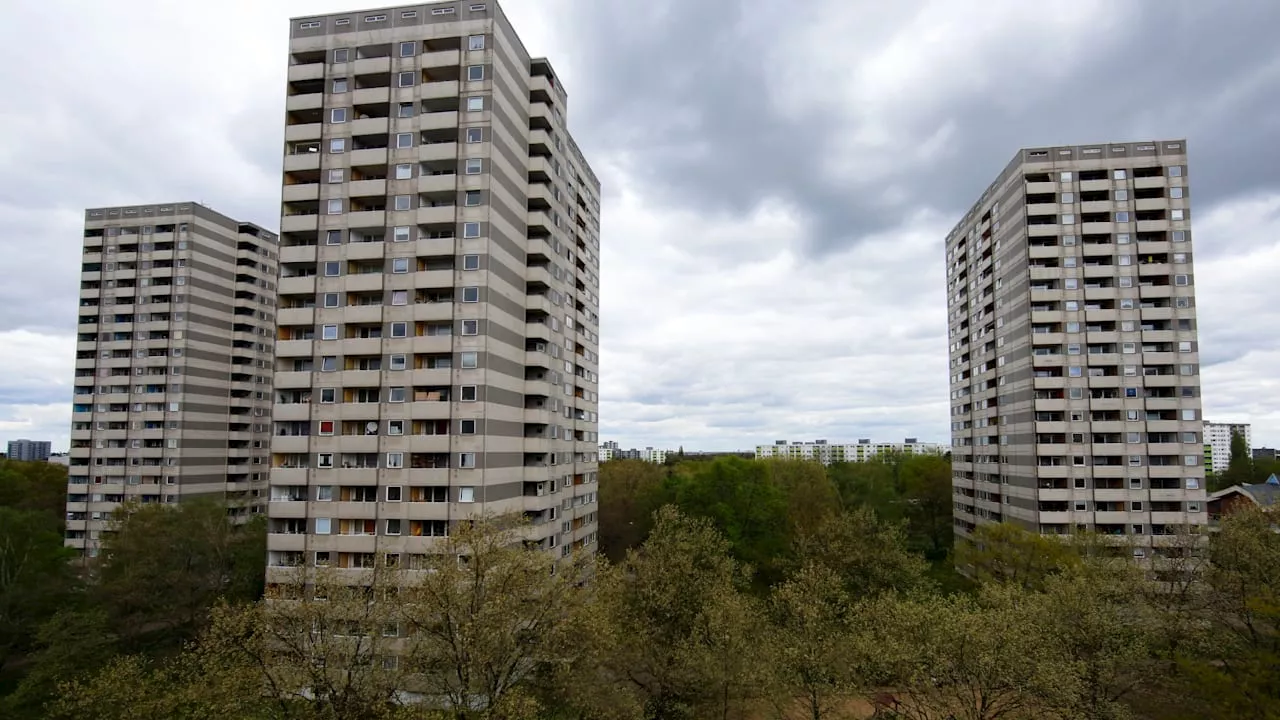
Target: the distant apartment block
pixel 438 337
pixel 861 451
pixel 29 450
pixel 609 450
pixel 1217 443
pixel 1075 365
pixel 172 395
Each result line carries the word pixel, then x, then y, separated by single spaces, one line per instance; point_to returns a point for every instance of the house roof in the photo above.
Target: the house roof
pixel 1265 494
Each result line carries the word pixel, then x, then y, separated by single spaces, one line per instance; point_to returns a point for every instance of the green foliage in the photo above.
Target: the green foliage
pixel 630 492
pixel 35 577
pixel 36 486
pixel 1240 470
pixel 1004 553
pixel 193 551
pixel 866 555
pixel 690 626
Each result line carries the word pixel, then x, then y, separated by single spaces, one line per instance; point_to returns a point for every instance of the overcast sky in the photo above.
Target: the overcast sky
pixel 778 178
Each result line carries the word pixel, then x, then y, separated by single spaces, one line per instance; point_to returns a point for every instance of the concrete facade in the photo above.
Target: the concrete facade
pixel 29 450
pixel 861 451
pixel 173 363
pixel 437 348
pixel 1075 387
pixel 1217 443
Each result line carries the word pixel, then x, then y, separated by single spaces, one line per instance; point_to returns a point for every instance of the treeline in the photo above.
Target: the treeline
pixel 763 506
pixel 678 626
pixel 162 570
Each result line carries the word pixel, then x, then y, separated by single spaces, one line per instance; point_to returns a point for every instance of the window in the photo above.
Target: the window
pixel 399 297
pixel 1175 192
pixel 1135 461
pixel 1073 349
pixel 374 18
pixel 471 230
pixel 327 395
pixel 326 427
pixel 1073 327
pixel 404 171
pixel 443 11
pixel 1179 258
pixel 1081 505
pixel 1131 415
pixel 328 363
pixel 341 55
pixel 1131 371
pixel 1181 280
pixel 398 362
pixel 1073 371
pixel 1069 261
pixel 1126 303
pixel 477 8
pixel 395 460
pixel 466 460
pixel 470 294
pixel 1128 348
pixel 1184 346
pixel 1123 239
pixel 323 526
pixel 404 110
pixel 1122 216
pixel 1175 171
pixel 469 360
pixel 1075 393
pixel 403 202
pixel 404 140
pixel 309 25
pixel 470 327
pixel 475 72
pixel 470 262
pixel 394 493
pixel 400 265
pixel 1119 175
pixel 471 198
pixel 405 79
pixel 467 393
pixel 475 42
pixel 324 493
pixel 475 135
pixel 328 332
pixel 409 14
pixel 1072 305
pixel 395 427
pixel 332 269
pixel 1177 214
pixel 333 237
pixel 1134 437
pixel 1190 437
pixel 1135 506
pixel 1064 177
pixel 337 115
pixel 467 427
pixel 330 300
pixel 338 145
pixel 466 494
pixel 339 85
pixel 475 104
pixel 1068 219
pixel 399 329
pixel 395 394
pixel 1191 460
pixel 336 176
pixel 324 460
pixel 408 49
pixel 1126 281
pixel 1070 283
pixel 473 166
pixel 1068 197
pixel 400 234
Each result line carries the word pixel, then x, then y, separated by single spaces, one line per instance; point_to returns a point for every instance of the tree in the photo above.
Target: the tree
pixel 1098 618
pixel 71 644
pixel 691 629
pixel 630 492
pixel 36 486
pixel 1241 677
pixel 1240 468
pixel 35 577
pixel 818 661
pixel 744 501
pixel 867 555
pixel 926 489
pixel 810 495
pixel 488 620
pixel 963 658
pixel 1007 554
pixel 869 484
pixel 193 551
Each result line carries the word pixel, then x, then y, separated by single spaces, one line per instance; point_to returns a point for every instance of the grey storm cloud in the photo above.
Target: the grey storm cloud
pixel 681 87
pixel 778 179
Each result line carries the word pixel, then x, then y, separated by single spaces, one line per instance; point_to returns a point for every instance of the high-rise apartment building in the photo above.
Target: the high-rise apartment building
pixel 29 450
pixel 173 363
pixel 439 291
pixel 1217 443
pixel 1075 387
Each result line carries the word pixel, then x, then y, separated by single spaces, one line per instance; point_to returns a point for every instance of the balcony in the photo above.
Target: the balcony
pixel 298 223
pixel 371 66
pixel 301 192
pixel 438 151
pixel 445 89
pixel 368 156
pixel 367 218
pixel 309 71
pixel 370 126
pixel 308 101
pixel 371 96
pixel 437 120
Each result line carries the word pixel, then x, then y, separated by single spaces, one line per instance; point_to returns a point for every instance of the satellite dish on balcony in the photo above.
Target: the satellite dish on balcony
pixel 371 428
